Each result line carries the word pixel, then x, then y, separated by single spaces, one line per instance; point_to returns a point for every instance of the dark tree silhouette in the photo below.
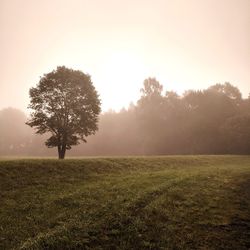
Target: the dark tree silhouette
pixel 66 104
pixel 215 120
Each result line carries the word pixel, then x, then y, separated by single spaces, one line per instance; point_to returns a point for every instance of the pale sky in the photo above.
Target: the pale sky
pixel 185 44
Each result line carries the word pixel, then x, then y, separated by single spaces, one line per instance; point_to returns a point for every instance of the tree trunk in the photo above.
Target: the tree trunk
pixel 61 151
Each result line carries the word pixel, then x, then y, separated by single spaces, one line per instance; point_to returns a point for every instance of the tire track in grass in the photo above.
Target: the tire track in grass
pixel 107 217
pixel 118 212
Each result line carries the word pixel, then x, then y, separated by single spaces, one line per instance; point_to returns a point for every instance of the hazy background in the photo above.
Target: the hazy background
pixel 188 44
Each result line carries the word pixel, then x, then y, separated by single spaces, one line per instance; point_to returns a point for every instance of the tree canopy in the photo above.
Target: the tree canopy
pixel 65 104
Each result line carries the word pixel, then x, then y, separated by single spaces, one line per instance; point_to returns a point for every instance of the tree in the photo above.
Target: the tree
pixel 151 87
pixel 237 134
pixel 65 104
pixel 14 135
pixel 149 114
pixel 227 89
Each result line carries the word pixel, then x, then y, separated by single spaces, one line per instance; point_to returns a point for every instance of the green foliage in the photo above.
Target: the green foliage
pixel 185 202
pixel 66 104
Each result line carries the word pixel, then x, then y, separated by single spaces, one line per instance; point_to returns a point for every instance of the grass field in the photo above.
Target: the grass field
pixel 176 202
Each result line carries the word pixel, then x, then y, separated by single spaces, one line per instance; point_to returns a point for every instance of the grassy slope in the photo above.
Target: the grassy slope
pixel 180 202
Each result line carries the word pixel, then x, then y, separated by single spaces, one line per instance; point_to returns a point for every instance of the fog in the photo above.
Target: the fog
pixel 185 44
pixel 212 121
pixel 190 46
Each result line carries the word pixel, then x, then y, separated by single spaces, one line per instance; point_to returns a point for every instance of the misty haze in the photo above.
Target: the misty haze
pixel 125 124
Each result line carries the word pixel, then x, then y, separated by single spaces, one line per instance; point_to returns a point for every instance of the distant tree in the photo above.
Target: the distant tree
pixel 150 117
pixel 237 134
pixel 175 119
pixel 207 112
pixel 65 104
pixel 227 89
pixel 14 135
pixel 151 87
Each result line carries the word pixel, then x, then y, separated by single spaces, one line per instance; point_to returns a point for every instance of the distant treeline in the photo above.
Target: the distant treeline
pixel 211 121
